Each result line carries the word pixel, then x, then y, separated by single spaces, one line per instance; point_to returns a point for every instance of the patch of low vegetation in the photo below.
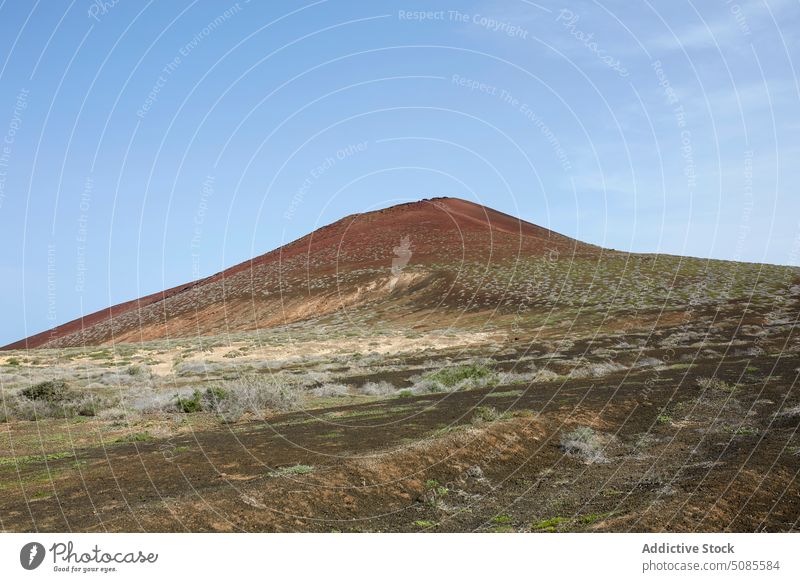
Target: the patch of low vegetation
pixel 558 523
pixel 293 470
pixel 189 404
pixel 137 437
pixel 461 377
pixel 715 384
pixel 593 517
pixel 28 459
pixel 549 525
pixel 378 389
pixel 424 523
pixel 434 486
pixel 135 370
pixel 52 399
pixel 331 391
pixel 585 443
pixel 230 400
pixel 48 391
pixel 435 493
pixel 740 430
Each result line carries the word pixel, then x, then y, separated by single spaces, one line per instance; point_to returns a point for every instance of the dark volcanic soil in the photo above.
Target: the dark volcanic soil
pixel 671 456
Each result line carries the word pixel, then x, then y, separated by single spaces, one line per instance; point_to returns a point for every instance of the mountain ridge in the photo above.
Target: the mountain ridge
pixel 437 229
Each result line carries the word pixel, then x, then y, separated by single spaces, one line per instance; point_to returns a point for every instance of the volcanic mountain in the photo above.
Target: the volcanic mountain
pixel 442 253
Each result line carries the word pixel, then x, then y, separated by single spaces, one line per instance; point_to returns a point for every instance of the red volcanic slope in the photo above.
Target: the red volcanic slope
pixel 254 294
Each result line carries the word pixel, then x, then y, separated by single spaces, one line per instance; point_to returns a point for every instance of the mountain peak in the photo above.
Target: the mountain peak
pixel 354 260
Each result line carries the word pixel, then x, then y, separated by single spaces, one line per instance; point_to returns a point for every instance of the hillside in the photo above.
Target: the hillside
pixel 411 251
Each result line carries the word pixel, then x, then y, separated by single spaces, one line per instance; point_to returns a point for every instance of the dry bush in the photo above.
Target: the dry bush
pixel 585 443
pixel 151 402
pixel 648 362
pixel 52 399
pixel 232 399
pixel 545 376
pixel 596 370
pixel 330 390
pixel 513 378
pixel 382 388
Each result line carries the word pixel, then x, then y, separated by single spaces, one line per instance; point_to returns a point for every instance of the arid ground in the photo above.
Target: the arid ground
pixel 418 385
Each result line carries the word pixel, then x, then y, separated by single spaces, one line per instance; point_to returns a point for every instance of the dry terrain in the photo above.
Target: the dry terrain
pixel 436 366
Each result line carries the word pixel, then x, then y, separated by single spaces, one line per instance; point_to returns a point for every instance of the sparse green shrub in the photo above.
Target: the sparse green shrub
pixel 212 399
pixel 549 525
pixel 135 370
pixel 464 376
pixel 12 362
pixel 53 399
pixel 434 492
pixel 215 394
pixel 377 389
pixel 594 517
pixel 28 459
pixel 190 404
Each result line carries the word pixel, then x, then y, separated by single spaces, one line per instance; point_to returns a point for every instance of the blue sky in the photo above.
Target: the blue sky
pixel 145 144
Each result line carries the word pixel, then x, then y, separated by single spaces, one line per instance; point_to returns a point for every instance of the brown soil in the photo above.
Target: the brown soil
pixel 374 463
